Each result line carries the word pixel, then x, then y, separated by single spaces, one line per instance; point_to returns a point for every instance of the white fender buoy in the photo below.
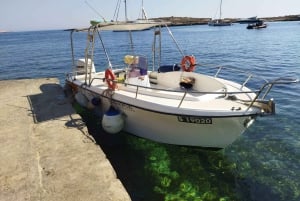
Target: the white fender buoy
pixel 113 121
pixel 81 99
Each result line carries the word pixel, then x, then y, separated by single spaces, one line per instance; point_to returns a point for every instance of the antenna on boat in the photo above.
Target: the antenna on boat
pixel 89 5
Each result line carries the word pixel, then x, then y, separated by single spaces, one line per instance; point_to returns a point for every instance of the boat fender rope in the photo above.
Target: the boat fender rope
pixel 188 63
pixel 110 79
pixel 108 93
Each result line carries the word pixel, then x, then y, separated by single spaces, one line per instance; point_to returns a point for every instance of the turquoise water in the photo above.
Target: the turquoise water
pixel 263 164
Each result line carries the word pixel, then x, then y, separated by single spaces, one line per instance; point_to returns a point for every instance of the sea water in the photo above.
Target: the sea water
pixel 263 164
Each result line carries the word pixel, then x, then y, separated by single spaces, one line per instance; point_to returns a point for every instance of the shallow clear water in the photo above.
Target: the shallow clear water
pixel 263 164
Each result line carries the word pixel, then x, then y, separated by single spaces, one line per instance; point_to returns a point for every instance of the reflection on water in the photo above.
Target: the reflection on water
pixel 250 169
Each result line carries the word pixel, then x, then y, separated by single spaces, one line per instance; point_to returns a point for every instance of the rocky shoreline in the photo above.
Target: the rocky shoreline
pixel 185 21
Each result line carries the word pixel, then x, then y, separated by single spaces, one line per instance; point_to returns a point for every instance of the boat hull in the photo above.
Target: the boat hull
pixel 199 130
pixel 256 27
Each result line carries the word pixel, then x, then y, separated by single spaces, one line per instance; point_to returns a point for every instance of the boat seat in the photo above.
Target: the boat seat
pixel 168 68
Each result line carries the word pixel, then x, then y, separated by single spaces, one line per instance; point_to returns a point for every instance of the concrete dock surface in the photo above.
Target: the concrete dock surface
pixel 45 150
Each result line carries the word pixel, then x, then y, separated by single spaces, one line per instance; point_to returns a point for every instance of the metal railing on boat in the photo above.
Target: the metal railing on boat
pixel 260 93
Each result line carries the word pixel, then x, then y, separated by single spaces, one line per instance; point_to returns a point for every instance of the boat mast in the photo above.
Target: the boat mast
pixel 220 10
pixel 126 19
pixel 144 15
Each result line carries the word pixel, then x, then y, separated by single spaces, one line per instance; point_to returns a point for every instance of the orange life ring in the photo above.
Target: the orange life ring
pixel 110 79
pixel 188 63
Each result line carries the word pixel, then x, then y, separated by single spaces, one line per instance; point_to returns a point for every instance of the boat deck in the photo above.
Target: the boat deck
pixel 155 95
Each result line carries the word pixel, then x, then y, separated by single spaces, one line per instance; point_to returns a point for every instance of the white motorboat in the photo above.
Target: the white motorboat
pixel 168 104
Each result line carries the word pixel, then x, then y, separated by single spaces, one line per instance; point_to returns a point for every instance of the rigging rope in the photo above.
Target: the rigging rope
pixel 176 43
pixel 108 93
pixel 117 9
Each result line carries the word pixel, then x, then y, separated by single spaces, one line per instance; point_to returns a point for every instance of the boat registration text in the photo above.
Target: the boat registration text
pixel 195 120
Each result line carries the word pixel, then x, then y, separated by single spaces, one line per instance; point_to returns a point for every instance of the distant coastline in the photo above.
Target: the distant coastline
pixel 182 21
pixel 187 21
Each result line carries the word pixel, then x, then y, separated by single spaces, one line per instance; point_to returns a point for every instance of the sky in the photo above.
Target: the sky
pixel 27 15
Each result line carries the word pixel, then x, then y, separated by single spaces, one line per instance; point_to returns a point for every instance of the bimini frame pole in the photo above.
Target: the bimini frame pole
pixel 89 54
pixel 156 51
pixel 72 51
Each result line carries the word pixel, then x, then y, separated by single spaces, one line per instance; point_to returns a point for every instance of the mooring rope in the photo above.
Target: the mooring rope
pixel 108 93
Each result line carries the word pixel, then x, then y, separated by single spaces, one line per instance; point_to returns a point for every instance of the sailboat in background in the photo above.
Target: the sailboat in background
pixel 219 21
pixel 143 18
pixel 136 25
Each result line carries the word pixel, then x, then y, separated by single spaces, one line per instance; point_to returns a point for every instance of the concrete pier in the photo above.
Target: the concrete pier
pixel 45 151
